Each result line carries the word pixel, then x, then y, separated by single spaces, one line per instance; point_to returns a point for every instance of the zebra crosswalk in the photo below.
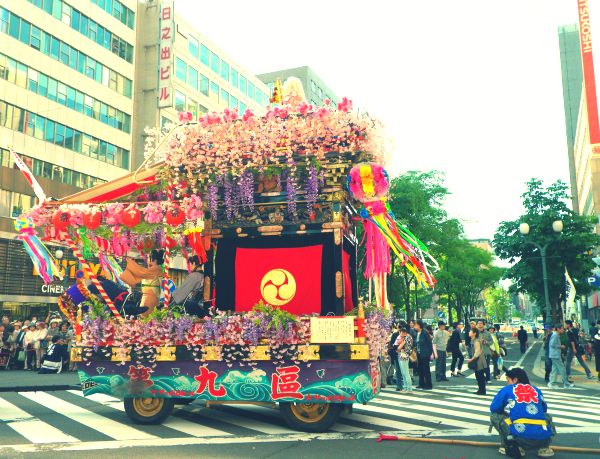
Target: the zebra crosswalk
pixel 67 420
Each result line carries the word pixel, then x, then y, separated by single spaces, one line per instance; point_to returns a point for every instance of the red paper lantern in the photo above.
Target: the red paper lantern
pixel 92 220
pixel 61 220
pixel 131 217
pixel 175 216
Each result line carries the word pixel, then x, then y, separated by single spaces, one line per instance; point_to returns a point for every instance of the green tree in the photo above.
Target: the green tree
pixel 416 199
pixel 497 304
pixel 569 250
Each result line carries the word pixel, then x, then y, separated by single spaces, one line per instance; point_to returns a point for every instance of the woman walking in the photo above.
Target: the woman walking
pixel 424 353
pixel 405 347
pixel 596 347
pixel 478 362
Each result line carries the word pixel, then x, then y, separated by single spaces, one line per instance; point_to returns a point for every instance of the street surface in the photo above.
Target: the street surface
pixel 48 422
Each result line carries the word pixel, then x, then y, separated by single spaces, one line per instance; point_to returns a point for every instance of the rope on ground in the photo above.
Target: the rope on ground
pixel 449 441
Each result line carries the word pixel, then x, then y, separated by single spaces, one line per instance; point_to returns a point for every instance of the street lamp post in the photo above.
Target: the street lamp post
pixel 557 226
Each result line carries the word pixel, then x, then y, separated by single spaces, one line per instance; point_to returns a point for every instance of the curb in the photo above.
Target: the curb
pixel 55 387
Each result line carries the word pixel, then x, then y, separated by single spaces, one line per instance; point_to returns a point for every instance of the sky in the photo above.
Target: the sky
pixel 471 88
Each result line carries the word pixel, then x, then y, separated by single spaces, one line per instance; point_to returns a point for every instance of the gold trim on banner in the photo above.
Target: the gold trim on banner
pixel 211 353
pixel 121 354
pixel 76 354
pixel 259 353
pixel 337 236
pixel 339 284
pixel 310 352
pixel 270 229
pixel 359 352
pixel 166 354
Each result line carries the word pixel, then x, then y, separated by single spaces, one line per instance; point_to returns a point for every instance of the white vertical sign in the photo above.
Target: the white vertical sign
pixel 165 53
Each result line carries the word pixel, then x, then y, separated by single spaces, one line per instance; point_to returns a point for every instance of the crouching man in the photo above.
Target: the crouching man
pixel 519 414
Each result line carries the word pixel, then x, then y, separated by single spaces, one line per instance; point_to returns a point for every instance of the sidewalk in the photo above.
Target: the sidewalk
pixel 577 374
pixel 24 381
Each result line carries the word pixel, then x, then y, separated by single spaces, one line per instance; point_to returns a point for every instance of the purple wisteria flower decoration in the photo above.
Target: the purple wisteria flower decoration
pixel 228 197
pixel 312 187
pixel 291 192
pixel 246 190
pixel 213 200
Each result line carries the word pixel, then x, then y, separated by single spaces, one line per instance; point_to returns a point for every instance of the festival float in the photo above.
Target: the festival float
pixel 275 208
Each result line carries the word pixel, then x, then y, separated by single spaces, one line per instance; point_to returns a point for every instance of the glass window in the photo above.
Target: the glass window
pixel 11 72
pixel 234 78
pixel 36 37
pixel 83 27
pixel 224 98
pixel 25 32
pixel 45 44
pixel 3 20
pixel 111 153
pixel 54 48
pixel 180 69
pixel 192 77
pixel 66 14
pixel 13 26
pixel 104 113
pixel 192 107
pixel 313 86
pixel 39 127
pixel 90 67
pixel 59 136
pixel 76 20
pixel 243 84
pixel 85 144
pixel 37 167
pixel 21 79
pixel 233 102
pixel 47 170
pixel 52 89
pixel 251 90
pixel 49 131
pixel 225 70
pixel 76 179
pixel 73 53
pixel 320 93
pixel 70 97
pixel 56 9
pixel 76 140
pixel 204 55
pixel 214 91
pixel 179 101
pixel 42 85
pixel 112 117
pixel 193 47
pixel 64 53
pixel 204 85
pixel 48 6
pixel 32 80
pixel 69 138
pixel 215 63
pixel 3 68
pixel 88 101
pixel 67 176
pixel 62 94
pixel 30 119
pixel 79 101
pixel 242 107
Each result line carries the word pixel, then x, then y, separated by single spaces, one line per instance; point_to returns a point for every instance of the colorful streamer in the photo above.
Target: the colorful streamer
pixel 37 251
pixel 111 268
pixel 369 184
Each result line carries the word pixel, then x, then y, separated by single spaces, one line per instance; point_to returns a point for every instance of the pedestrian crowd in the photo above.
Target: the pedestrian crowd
pixel 415 345
pixel 36 345
pixel 562 344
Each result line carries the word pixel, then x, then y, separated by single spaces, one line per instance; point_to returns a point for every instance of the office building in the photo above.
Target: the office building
pixel 315 90
pixel 194 75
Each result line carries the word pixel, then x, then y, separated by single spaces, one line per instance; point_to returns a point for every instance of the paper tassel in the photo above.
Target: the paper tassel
pixel 37 251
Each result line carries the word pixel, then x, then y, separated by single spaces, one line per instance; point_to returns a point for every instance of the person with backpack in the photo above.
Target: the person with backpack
pixel 393 356
pixel 519 414
pixel 454 348
pixel 574 350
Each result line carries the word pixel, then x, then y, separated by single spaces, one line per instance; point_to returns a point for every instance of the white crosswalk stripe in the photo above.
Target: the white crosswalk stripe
pixel 67 418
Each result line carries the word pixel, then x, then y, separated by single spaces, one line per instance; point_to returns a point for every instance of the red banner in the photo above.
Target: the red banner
pixel 289 278
pixel 587 58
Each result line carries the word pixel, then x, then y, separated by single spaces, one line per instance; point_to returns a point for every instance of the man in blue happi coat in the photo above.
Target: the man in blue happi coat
pixel 519 414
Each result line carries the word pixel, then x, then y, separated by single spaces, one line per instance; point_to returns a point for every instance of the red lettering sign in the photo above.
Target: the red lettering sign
pixel 165 33
pixel 524 393
pixel 284 383
pixel 165 72
pixel 207 379
pixel 166 13
pixel 165 53
pixel 164 94
pixel 140 374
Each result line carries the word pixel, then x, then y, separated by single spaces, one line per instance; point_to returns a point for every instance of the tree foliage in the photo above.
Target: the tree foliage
pixel 497 304
pixel 570 249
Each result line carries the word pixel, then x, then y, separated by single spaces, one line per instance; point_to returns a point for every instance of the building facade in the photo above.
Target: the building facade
pixel 66 107
pixel 315 90
pixel 180 70
pixel 572 79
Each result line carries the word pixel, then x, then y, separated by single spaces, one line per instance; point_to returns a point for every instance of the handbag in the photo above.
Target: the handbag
pixel 472 365
pixel 413 356
pixel 21 356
